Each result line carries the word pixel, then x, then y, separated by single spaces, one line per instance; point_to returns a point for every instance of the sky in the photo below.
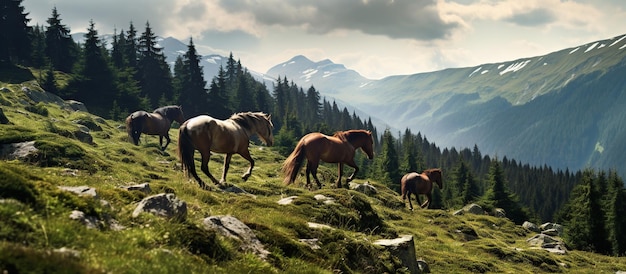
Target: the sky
pixel 376 38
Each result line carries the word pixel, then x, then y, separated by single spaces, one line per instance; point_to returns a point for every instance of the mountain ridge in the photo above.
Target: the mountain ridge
pixel 462 107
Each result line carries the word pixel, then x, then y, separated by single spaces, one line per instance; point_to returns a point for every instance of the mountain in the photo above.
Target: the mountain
pixel 563 109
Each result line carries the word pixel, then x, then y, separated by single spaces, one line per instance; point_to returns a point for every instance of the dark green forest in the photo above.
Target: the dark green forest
pixel 134 75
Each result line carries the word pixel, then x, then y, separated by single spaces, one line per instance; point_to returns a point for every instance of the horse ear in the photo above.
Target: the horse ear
pixel 269 117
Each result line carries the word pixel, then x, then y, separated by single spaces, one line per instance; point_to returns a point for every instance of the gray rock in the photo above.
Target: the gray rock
pixel 474 209
pixel 531 226
pixel 164 205
pixel 145 188
pixel 19 151
pixel 404 249
pixel 76 105
pixel 499 212
pixel 90 222
pixel 287 200
pixel 364 188
pixel 324 199
pixel 81 190
pixel 230 226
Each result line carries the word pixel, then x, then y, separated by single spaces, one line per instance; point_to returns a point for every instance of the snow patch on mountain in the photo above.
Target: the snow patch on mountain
pixel 515 67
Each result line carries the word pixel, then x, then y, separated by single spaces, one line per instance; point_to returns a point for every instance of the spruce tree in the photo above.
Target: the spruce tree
pixel 386 163
pixel 218 96
pixel 498 196
pixel 15 45
pixel 193 92
pixel 60 47
pixel 616 210
pixel 154 73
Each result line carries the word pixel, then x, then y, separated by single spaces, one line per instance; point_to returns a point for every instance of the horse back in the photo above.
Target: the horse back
pixel 410 181
pixel 329 148
pixel 218 135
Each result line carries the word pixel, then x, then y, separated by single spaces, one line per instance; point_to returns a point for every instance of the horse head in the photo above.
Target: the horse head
pixel 368 147
pixel 435 174
pixel 267 131
pixel 172 113
pixel 359 138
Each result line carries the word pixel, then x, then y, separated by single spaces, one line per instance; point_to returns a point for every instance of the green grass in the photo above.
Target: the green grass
pixel 34 213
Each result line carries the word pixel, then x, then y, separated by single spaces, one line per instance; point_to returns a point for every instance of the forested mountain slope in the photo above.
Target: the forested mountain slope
pixel 563 109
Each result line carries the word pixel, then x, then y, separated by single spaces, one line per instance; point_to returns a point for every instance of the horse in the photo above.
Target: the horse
pixel 207 134
pixel 339 148
pixel 156 123
pixel 420 184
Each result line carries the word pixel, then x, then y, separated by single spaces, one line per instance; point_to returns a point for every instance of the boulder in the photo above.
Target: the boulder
pixel 499 212
pixel 164 205
pixel 547 226
pixel 287 200
pixel 404 249
pixel 145 188
pixel 471 208
pixel 230 226
pixel 364 188
pixel 81 190
pixel 531 226
pixel 90 222
pixel 19 151
pixel 325 199
pixel 76 105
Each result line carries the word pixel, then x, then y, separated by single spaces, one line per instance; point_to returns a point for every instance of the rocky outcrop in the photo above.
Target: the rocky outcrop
pixel 230 226
pixel 164 205
pixel 404 249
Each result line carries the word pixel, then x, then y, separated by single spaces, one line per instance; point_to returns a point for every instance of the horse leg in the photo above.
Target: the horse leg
pixel 426 204
pixel 206 156
pixel 410 203
pixel 339 171
pixel 356 169
pixel 226 166
pixel 167 138
pixel 246 155
pixel 308 173
pixel 313 170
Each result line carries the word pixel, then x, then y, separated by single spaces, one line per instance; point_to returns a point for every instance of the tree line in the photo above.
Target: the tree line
pixel 133 74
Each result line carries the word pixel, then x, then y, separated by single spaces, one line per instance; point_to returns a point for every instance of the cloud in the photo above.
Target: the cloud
pixel 399 19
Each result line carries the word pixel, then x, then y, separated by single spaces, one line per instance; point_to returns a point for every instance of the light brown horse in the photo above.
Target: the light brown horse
pixel 339 148
pixel 420 184
pixel 156 123
pixel 229 136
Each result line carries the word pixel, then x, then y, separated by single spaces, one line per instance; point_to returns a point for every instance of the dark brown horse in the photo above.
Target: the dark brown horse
pixel 230 136
pixel 414 183
pixel 156 123
pixel 339 148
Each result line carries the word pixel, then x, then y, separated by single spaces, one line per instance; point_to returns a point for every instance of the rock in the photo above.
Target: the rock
pixel 404 249
pixel 319 226
pixel 531 226
pixel 499 212
pixel 81 190
pixel 83 135
pixel 68 252
pixel 364 188
pixel 76 105
pixel 474 209
pixel 550 232
pixel 546 226
pixel 287 200
pixel 423 266
pixel 90 222
pixel 164 205
pixel 541 239
pixel 324 199
pixel 230 226
pixel 145 188
pixel 3 118
pixel 312 243
pixel 19 151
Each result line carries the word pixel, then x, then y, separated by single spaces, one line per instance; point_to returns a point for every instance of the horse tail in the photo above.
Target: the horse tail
pixel 293 163
pixel 129 127
pixel 403 187
pixel 185 151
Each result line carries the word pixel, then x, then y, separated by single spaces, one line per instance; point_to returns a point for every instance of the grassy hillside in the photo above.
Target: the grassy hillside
pixel 35 226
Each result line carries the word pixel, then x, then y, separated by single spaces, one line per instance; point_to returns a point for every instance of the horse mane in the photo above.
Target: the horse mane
pixel 349 135
pixel 247 119
pixel 168 111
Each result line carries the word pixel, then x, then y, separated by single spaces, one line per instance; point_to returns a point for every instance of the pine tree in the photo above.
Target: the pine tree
pixel 38 45
pixel 15 45
pixel 94 84
pixel 154 73
pixel 244 98
pixel 60 47
pixel 130 48
pixel 386 163
pixel 498 196
pixel 193 92
pixel 616 210
pixel 218 96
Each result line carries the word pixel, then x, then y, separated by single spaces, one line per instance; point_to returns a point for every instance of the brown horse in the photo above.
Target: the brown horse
pixel 156 123
pixel 339 148
pixel 420 184
pixel 230 136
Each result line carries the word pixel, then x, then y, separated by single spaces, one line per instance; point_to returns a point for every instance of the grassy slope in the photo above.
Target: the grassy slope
pixel 34 214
